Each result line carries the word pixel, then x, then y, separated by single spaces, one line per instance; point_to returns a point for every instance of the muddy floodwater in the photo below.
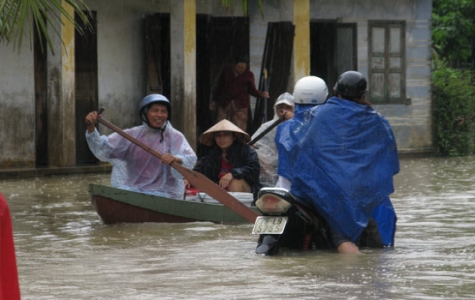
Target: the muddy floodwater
pixel 65 252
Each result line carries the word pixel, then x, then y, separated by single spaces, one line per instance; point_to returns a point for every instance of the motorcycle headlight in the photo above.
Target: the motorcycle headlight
pixel 272 204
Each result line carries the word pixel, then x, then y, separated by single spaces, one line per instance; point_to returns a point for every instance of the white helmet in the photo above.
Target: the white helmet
pixel 310 90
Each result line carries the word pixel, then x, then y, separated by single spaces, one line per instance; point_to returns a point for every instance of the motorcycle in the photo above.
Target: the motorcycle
pixel 287 224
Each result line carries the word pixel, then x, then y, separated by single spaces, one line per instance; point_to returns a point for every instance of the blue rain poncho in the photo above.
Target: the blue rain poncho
pixel 137 170
pixel 340 158
pixel 286 141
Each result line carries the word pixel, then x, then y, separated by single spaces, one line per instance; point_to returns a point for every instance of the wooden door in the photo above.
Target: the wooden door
pixel 332 50
pixel 86 85
pixel 157 54
pixel 41 103
pixel 218 41
pixel 276 60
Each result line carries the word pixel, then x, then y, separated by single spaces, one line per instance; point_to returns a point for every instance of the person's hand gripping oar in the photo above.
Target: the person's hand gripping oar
pixel 260 135
pixel 197 179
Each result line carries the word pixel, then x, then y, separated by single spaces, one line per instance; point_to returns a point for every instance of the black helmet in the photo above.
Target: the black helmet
pixel 351 84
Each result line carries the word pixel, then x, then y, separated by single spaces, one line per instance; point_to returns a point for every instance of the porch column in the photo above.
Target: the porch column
pixel 301 53
pixel 183 71
pixel 61 95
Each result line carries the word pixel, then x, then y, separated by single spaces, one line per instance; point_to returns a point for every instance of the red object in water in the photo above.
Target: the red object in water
pixel 306 242
pixel 9 286
pixel 191 191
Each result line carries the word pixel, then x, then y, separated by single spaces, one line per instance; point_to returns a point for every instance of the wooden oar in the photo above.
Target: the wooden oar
pixel 195 178
pixel 260 135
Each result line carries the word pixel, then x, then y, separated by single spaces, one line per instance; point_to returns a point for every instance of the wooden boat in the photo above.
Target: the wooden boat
pixel 121 206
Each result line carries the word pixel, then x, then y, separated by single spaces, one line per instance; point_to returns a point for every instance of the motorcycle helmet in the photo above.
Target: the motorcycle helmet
pixel 311 90
pixel 351 84
pixel 153 98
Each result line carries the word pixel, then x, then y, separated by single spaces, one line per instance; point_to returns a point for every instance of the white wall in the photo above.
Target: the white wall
pixel 121 63
pixel 17 105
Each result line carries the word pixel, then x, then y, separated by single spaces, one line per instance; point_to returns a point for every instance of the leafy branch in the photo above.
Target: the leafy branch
pixel 16 15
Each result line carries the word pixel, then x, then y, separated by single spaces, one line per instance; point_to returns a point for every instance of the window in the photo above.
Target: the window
pixel 387 62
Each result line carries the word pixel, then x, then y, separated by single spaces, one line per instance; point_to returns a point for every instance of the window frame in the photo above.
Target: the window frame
pixel 387 71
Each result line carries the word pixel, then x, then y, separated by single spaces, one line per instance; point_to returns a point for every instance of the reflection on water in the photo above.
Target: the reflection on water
pixel 65 252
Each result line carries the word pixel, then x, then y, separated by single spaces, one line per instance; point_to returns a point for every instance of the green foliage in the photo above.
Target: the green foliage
pixel 16 15
pixel 453 28
pixel 454 111
pixel 453 35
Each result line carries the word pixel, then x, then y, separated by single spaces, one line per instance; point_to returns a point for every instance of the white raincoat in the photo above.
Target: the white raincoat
pixel 137 170
pixel 266 148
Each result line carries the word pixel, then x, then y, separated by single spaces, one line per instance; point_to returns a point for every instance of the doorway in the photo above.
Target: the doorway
pixel 41 98
pixel 332 50
pixel 86 84
pixel 218 41
pixel 276 60
pixel 157 54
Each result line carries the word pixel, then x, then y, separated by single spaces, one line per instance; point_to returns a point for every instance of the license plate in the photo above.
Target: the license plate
pixel 269 225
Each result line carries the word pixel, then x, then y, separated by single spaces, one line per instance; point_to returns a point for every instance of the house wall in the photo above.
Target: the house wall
pixel 121 77
pixel 17 105
pixel 121 72
pixel 412 123
pixel 120 54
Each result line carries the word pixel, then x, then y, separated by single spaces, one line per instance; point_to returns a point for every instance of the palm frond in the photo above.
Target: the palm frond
pixel 17 15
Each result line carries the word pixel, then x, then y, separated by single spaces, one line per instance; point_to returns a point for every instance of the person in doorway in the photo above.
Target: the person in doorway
pixel 134 168
pixel 230 163
pixel 265 147
pixel 343 165
pixel 231 96
pixel 9 285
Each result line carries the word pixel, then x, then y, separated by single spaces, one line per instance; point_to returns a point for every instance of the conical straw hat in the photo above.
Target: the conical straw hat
pixel 207 138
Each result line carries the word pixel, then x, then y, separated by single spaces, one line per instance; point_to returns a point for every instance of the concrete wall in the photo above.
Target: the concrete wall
pixel 121 77
pixel 121 63
pixel 122 74
pixel 412 124
pixel 17 105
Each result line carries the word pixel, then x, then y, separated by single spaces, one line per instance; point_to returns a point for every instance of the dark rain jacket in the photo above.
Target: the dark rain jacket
pixel 243 159
pixel 235 88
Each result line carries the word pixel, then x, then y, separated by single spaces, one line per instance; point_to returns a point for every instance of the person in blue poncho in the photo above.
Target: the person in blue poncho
pixel 308 92
pixel 343 160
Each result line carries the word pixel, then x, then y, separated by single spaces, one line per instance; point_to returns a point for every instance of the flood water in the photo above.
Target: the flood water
pixel 65 252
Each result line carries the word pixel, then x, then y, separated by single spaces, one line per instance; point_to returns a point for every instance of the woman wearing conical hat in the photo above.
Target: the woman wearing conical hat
pixel 231 163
